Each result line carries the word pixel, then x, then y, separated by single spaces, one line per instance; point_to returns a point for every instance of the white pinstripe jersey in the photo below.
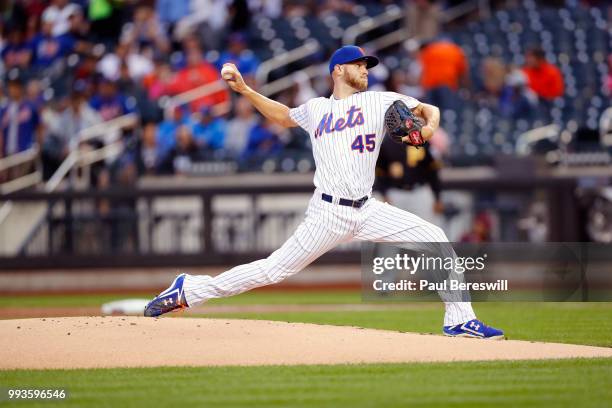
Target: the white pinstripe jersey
pixel 346 135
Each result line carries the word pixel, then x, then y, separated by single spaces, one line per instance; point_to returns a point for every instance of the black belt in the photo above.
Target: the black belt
pixel 346 202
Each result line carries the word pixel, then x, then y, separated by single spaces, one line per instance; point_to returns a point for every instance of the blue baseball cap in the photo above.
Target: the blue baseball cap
pixel 351 53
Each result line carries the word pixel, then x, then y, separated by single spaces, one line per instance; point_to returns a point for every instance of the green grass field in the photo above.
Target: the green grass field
pixel 257 297
pixel 558 383
pixel 577 323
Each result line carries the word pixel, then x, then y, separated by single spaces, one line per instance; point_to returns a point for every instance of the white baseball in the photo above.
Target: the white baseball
pixel 227 72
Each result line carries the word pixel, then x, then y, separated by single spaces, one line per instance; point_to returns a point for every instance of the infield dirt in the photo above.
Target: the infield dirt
pixel 92 342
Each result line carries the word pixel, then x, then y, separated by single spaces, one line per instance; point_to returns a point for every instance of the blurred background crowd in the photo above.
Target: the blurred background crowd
pixel 69 65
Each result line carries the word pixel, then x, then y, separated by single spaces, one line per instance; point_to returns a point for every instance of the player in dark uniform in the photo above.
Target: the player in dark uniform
pixel 409 178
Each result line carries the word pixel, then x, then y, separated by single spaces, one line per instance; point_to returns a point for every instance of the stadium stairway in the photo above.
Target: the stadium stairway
pixel 16 227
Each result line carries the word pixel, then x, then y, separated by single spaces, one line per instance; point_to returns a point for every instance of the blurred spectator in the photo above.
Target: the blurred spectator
pixel 304 91
pixel 86 68
pixel 125 82
pixel 171 12
pixel 481 229
pixel 63 136
pixel 180 158
pixel 148 108
pixel 544 78
pixel 33 11
pixel 237 53
pixel 395 81
pixel 148 153
pixel 300 92
pixel 239 128
pixel 411 69
pixel 16 13
pixel 440 143
pixel 301 9
pixel 79 31
pixel 197 73
pixel 401 81
pixel 444 68
pixel 125 173
pixel 493 75
pixel 517 101
pixel 58 14
pixel 47 47
pixel 208 18
pixel 408 178
pixel 213 28
pixel 325 7
pixel 609 78
pixel 105 20
pixel 166 132
pixel 188 44
pixel 34 94
pixel 109 102
pixel 145 31
pixel 19 119
pixel 209 131
pixel 504 92
pixel 138 64
pixel 16 53
pixel 269 8
pixel 423 19
pixel 156 82
pixel 263 141
pixel 239 15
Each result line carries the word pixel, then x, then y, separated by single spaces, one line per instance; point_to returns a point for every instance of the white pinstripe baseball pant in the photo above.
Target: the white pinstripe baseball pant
pixel 326 225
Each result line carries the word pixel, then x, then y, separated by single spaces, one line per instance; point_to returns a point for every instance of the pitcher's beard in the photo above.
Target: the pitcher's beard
pixel 358 84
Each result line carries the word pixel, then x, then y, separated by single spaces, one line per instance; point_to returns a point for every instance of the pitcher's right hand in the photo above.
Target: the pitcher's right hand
pixel 233 77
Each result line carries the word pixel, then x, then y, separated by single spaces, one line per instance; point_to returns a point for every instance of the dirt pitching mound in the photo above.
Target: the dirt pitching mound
pixel 91 342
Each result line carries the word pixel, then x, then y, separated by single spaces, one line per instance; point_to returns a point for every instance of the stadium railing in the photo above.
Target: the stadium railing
pixel 27 218
pixel 526 140
pixel 234 220
pixel 25 158
pixel 351 34
pixel 79 158
pixel 196 93
pixel 309 48
pixel 605 127
pixel 181 225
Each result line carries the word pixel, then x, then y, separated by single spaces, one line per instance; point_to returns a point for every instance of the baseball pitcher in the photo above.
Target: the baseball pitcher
pixel 346 130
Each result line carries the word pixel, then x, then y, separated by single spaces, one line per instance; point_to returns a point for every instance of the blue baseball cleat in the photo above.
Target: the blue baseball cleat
pixel 169 300
pixel 474 329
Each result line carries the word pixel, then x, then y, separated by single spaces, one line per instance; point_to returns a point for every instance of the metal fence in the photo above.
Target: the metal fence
pixel 216 225
pixel 162 227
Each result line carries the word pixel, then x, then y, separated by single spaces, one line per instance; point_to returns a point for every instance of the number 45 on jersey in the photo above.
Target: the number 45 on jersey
pixel 367 142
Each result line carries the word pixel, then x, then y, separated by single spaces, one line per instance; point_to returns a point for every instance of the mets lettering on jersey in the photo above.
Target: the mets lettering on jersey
pixel 351 121
pixel 346 136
